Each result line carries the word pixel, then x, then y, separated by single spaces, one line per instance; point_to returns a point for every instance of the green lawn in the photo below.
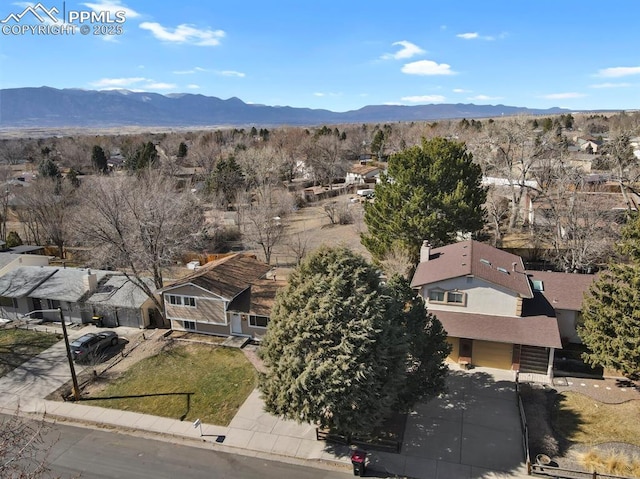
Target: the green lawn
pixel 184 382
pixel 587 421
pixel 17 346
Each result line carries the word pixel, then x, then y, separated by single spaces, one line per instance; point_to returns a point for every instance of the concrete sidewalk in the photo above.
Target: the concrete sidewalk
pixel 472 432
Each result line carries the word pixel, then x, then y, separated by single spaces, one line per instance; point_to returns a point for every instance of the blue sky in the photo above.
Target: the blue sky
pixel 342 55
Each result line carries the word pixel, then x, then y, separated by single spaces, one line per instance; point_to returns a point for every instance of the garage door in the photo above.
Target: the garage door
pixel 492 355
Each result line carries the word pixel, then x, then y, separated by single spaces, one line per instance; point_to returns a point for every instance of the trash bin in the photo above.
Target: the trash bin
pixel 97 321
pixel 358 458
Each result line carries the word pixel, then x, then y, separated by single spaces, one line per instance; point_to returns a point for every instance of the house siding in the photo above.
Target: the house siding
pixel 567 323
pixel 206 328
pixel 206 311
pixel 209 307
pixel 455 349
pixel 481 297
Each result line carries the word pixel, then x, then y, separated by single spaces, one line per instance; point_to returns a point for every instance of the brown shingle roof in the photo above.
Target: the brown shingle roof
pixel 563 290
pixel 472 258
pixel 226 277
pixel 532 331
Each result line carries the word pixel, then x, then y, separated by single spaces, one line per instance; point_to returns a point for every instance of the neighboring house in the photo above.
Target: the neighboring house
pixel 119 302
pixel 10 261
pixel 226 297
pixel 486 303
pixel 359 174
pixel 31 288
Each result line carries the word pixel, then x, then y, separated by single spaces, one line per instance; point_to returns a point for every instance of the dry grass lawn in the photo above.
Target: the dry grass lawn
pixel 183 382
pixel 17 346
pixel 584 420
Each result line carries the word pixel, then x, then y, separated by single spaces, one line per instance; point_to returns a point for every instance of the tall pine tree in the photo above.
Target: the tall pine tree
pixel 344 351
pixel 610 325
pixel 431 192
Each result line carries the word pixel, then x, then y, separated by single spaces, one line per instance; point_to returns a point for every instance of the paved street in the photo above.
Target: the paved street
pixel 104 455
pixel 471 432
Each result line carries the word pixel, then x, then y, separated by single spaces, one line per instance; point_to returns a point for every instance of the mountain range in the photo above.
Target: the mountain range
pixel 52 107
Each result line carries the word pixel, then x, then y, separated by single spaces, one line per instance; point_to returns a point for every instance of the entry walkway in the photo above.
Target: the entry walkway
pixel 471 432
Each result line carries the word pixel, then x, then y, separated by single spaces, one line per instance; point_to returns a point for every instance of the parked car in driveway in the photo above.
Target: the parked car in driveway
pixel 90 345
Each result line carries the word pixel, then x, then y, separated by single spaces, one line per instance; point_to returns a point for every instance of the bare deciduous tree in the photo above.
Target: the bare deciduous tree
pixel 263 218
pixel 510 149
pixel 23 451
pixel 580 227
pixel 139 225
pixel 46 210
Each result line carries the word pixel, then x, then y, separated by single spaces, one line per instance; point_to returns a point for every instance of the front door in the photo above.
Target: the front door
pixel 236 323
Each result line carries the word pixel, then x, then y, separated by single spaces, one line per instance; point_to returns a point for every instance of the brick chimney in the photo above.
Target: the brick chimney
pixel 425 251
pixel 90 281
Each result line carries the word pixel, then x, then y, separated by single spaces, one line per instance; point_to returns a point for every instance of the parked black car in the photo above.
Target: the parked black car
pixel 91 345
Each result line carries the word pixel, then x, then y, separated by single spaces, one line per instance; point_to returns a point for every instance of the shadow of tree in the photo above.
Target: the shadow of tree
pixel 473 425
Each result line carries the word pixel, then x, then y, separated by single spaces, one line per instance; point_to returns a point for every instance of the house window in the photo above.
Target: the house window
pixel 189 325
pixel 455 297
pixel 537 285
pixel 8 302
pixel 437 296
pixel 188 301
pixel 258 321
pixel 449 297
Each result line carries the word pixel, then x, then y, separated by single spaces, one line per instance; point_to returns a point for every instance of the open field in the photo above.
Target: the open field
pixel 183 382
pixel 17 346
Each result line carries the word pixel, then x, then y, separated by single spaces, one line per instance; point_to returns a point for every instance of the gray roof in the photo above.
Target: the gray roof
pixel 67 284
pixel 26 248
pixel 7 258
pixel 23 280
pixel 119 292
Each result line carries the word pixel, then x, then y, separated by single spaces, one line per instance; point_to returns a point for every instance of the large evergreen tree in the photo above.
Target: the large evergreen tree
pixel 610 327
pixel 143 157
pixel 431 192
pixel 344 351
pixel 99 159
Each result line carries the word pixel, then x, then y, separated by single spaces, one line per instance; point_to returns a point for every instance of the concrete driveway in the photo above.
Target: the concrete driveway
pixel 472 432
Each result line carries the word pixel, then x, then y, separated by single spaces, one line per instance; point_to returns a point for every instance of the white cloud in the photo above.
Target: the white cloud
pixel 189 72
pixel 427 68
pixel 184 33
pixel 112 6
pixel 610 85
pixel 160 86
pixel 231 73
pixel 461 90
pixel 616 72
pixel 408 50
pixel 563 96
pixel 193 86
pixel 322 94
pixel 117 82
pixel 477 36
pixel 484 98
pixel 424 98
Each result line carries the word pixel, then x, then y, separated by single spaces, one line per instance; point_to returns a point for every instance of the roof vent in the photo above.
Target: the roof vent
pixel 485 261
pixel 502 270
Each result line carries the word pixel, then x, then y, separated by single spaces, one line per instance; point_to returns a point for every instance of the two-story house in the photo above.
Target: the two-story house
pixel 227 297
pixel 485 300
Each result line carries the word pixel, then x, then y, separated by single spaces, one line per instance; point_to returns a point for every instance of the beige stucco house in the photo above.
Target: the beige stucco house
pixel 495 313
